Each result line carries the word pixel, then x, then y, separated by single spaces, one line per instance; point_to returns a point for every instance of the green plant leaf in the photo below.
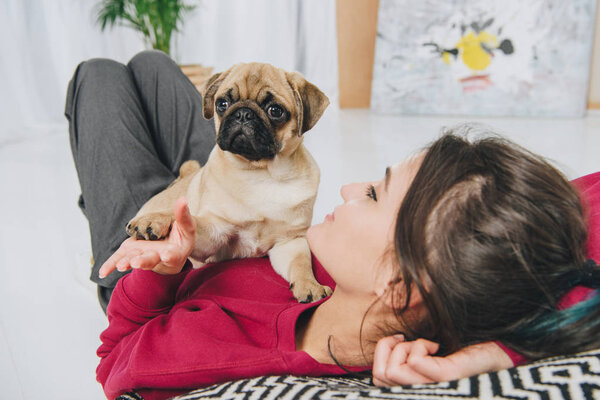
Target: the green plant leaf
pixel 156 20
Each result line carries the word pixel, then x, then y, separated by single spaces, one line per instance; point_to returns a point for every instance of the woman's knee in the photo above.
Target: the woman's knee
pixel 94 76
pixel 150 62
pixel 103 92
pixel 91 77
pixel 100 71
pixel 151 66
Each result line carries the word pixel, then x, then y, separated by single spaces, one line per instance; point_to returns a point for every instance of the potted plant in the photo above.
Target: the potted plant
pixel 156 20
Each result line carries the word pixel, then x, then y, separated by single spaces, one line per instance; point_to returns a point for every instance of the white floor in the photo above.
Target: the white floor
pixel 49 316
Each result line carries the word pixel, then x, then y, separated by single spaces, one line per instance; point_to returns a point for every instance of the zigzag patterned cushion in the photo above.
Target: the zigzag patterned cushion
pixel 571 377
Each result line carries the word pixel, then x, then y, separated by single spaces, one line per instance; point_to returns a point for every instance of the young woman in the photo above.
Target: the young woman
pixel 459 246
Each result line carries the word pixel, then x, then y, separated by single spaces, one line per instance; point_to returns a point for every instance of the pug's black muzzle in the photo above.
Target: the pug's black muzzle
pixel 243 132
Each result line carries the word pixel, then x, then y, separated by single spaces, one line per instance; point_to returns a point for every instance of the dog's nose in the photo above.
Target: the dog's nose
pixel 244 114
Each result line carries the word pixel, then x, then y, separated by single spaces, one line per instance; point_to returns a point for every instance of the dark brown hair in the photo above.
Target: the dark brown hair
pixel 490 236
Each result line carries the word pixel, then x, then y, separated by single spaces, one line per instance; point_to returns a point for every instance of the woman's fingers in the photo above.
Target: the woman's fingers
pixel 405 363
pixel 125 262
pixel 146 260
pixel 111 264
pixel 130 248
pixel 185 222
pixel 436 369
pixel 383 350
pixel 400 370
pixel 422 362
pixel 108 267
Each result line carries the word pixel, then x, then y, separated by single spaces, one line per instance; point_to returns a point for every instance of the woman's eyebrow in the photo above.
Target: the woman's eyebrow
pixel 388 173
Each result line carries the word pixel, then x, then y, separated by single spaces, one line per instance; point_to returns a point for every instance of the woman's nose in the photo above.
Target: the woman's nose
pixel 352 191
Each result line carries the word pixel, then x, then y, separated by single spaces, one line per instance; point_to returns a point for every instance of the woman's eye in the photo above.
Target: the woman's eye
pixel 275 111
pixel 222 105
pixel 371 192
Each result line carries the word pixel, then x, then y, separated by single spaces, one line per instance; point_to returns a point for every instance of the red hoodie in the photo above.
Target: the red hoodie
pixel 170 334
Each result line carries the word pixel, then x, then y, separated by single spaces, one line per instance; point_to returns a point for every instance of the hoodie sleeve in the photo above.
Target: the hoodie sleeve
pixel 138 298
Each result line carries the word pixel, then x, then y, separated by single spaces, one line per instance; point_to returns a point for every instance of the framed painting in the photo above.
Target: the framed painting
pixel 483 57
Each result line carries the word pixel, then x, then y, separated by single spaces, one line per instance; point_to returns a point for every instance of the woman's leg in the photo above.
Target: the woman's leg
pixel 173 109
pixel 131 127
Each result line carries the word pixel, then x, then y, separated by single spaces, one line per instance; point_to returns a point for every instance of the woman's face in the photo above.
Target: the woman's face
pixel 351 242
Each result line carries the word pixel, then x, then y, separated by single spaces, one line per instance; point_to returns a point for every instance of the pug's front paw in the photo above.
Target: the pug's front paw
pixel 153 226
pixel 309 290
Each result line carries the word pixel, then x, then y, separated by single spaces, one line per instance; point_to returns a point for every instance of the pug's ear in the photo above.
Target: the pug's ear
pixel 310 101
pixel 208 91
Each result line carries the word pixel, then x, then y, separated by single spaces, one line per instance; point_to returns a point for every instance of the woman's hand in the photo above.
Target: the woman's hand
pixel 397 362
pixel 167 256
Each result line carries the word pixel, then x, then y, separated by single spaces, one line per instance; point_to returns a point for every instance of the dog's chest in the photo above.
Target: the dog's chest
pixel 276 200
pixel 256 200
pixel 245 215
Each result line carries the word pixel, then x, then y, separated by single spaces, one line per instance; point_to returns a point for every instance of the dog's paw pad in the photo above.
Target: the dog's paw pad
pixel 150 227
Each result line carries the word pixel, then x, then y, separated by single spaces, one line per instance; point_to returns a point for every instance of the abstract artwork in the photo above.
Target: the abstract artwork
pixel 483 57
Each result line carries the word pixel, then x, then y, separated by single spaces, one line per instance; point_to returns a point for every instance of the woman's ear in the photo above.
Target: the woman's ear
pixel 393 294
pixel 387 293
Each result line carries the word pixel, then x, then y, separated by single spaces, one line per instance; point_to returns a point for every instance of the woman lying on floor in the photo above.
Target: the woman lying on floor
pixel 466 258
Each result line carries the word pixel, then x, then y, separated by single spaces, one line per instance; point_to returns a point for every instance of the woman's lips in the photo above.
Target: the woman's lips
pixel 329 217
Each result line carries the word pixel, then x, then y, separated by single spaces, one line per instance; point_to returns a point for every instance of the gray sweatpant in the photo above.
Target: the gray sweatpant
pixel 131 127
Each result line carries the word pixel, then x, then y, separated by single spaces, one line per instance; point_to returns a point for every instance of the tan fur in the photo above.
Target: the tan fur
pixel 251 208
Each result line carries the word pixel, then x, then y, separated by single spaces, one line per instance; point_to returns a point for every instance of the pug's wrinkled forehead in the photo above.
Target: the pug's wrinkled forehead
pixel 258 82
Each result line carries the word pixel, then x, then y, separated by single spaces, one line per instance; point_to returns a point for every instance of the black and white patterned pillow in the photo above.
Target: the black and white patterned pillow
pixel 570 377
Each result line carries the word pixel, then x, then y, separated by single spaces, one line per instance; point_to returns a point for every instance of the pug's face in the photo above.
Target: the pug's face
pixel 261 111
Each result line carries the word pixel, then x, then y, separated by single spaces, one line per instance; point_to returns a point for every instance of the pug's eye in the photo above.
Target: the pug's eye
pixel 275 112
pixel 222 105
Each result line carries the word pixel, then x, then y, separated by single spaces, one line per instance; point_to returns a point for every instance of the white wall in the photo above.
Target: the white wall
pixel 42 41
pixel 594 95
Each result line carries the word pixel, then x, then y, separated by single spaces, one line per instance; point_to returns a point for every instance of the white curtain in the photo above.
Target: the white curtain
pixel 42 41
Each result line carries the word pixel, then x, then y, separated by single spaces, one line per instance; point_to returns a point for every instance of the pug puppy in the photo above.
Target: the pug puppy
pixel 255 194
